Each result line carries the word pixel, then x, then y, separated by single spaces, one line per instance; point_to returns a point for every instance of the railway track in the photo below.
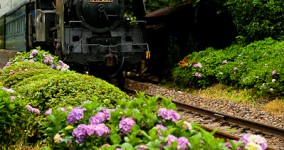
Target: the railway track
pixel 248 124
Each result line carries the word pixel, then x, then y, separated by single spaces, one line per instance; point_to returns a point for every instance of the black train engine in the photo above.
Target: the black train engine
pixel 96 36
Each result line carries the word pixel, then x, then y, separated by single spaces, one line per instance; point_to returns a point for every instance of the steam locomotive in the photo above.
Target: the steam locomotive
pixel 102 37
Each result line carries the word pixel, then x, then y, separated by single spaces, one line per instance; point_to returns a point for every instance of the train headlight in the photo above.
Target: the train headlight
pixel 148 54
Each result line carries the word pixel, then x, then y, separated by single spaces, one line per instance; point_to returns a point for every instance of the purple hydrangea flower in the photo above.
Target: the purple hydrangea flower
pixel 7 64
pixel 98 118
pixel 48 59
pixel 161 127
pixel 126 124
pixel 100 129
pixel 198 75
pixel 183 143
pixel 33 53
pixel 168 114
pixel 107 111
pixel 80 132
pixel 75 115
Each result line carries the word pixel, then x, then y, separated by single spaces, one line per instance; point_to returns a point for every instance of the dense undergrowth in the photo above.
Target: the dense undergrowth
pixel 46 106
pixel 257 66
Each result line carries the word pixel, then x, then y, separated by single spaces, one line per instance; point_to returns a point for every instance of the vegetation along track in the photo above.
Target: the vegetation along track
pixel 230 126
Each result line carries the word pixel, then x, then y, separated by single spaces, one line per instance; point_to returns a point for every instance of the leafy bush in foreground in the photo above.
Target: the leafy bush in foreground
pixel 139 124
pixel 40 82
pixel 46 91
pixel 12 119
pixel 23 70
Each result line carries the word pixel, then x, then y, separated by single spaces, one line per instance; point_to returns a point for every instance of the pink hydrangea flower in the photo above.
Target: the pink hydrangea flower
pixel 8 90
pixel 198 75
pixel 183 143
pixel 33 110
pixel 168 114
pixel 274 72
pixel 198 65
pixel 48 112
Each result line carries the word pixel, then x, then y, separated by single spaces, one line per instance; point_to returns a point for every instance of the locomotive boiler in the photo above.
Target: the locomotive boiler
pixel 102 37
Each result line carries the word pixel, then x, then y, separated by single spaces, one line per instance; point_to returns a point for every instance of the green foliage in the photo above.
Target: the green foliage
pixel 43 82
pixel 20 67
pixel 257 19
pixel 248 66
pixel 66 88
pixel 13 119
pixel 23 70
pixel 152 5
pixel 145 132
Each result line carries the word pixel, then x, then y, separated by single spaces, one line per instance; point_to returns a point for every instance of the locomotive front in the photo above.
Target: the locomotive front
pixel 101 39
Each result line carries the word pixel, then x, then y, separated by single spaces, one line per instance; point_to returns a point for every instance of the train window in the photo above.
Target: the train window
pixel 128 38
pixel 75 38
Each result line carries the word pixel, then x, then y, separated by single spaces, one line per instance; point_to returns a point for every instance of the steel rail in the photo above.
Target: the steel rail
pixel 242 122
pixel 221 134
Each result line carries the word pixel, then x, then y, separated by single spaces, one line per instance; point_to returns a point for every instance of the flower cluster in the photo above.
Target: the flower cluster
pixel 43 57
pixel 168 114
pixel 126 124
pixel 159 128
pixel 83 131
pixel 33 110
pixel 33 53
pixel 198 65
pixel 48 59
pixel 57 138
pixel 198 75
pixel 251 141
pixel 62 66
pixel 75 115
pixel 101 116
pixel 10 91
pixel 183 143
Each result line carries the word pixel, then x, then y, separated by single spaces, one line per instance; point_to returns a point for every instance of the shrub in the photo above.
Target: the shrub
pixel 137 124
pixel 248 66
pixel 66 88
pixel 13 118
pixel 19 71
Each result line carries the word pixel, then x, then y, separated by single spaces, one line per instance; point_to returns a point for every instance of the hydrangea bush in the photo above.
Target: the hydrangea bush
pixel 14 121
pixel 139 124
pixel 42 56
pixel 39 86
pixel 255 66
